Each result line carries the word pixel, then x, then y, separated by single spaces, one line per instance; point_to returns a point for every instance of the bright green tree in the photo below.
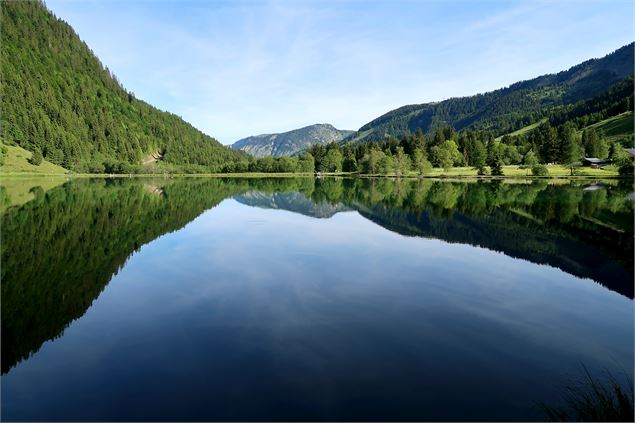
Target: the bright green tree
pixel 386 165
pixel 530 158
pixel 571 151
pixel 401 162
pixel 479 156
pixel 332 161
pixel 370 162
pixel 306 163
pixel 420 162
pixel 446 154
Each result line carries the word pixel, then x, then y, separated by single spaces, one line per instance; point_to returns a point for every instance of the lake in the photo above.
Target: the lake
pixel 310 299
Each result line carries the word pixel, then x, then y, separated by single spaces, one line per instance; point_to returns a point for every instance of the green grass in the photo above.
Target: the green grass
pixel 524 129
pixel 512 171
pixel 595 399
pixel 17 161
pixel 517 171
pixel 615 127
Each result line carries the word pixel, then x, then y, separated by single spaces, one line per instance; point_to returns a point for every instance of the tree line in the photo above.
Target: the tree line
pixel 446 148
pixel 564 137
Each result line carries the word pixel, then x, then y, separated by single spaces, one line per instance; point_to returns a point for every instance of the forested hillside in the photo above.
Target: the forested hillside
pixel 59 100
pixel 507 109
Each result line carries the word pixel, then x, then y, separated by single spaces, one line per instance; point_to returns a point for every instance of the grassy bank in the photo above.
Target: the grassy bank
pixel 616 127
pixel 516 171
pixel 16 165
pixel 16 161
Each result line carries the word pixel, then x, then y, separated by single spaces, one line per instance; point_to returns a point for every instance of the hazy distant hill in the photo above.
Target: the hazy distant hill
pixel 506 109
pixel 60 100
pixel 289 143
pixel 292 201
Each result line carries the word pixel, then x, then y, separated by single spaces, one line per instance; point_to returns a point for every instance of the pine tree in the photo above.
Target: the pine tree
pixel 36 158
pixel 479 156
pixel 571 151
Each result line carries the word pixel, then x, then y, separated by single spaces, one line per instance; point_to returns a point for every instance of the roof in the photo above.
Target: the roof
pixel 594 160
pixel 630 151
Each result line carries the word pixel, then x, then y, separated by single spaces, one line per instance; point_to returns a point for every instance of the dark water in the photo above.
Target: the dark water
pixel 302 299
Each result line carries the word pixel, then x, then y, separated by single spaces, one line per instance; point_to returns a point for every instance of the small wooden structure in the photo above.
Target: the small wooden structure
pixel 630 152
pixel 594 162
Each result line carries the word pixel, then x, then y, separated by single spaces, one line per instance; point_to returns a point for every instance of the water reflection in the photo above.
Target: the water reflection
pixel 588 233
pixel 62 247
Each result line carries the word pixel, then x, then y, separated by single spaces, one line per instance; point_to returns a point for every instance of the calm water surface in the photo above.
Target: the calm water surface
pixel 302 299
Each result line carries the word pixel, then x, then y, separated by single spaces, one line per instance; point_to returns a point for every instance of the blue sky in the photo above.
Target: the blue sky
pixel 240 68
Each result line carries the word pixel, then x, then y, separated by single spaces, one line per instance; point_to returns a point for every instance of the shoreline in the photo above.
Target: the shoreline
pixel 304 175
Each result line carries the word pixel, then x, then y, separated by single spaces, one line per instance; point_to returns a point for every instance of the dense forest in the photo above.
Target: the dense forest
pixel 75 237
pixel 62 104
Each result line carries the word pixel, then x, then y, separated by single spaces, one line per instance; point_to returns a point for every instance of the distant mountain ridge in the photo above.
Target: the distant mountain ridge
pixel 291 142
pixel 506 109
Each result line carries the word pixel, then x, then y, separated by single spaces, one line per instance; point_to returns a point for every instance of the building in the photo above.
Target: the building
pixel 594 162
pixel 631 152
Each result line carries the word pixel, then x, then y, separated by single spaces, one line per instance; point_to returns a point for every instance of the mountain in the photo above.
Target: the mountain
pixel 58 98
pixel 507 109
pixel 292 142
pixel 292 201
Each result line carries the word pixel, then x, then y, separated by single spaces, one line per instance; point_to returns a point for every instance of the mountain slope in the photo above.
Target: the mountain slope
pixel 616 127
pixel 289 143
pixel 58 98
pixel 507 109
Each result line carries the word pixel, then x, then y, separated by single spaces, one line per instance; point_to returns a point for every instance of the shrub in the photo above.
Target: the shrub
pixel 497 168
pixel 593 400
pixel 3 154
pixel 625 166
pixel 36 158
pixel 95 167
pixel 539 170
